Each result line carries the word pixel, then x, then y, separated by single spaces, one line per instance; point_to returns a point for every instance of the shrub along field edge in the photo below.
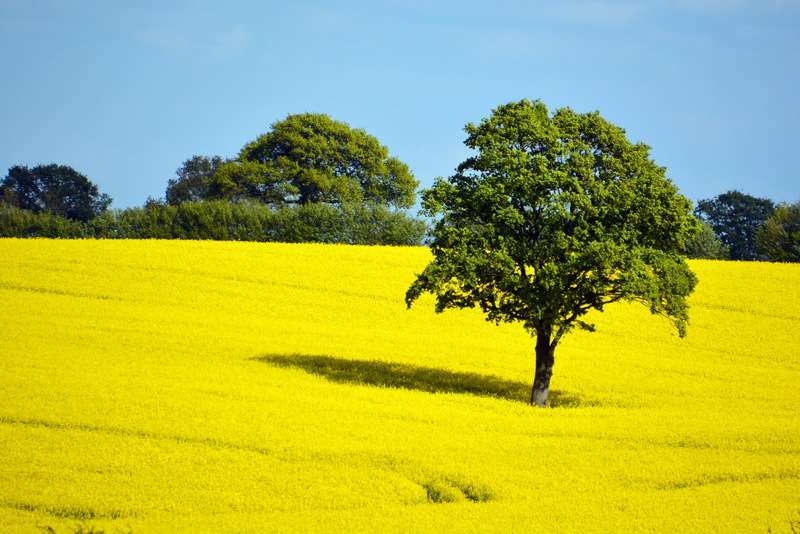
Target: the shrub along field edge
pixel 362 224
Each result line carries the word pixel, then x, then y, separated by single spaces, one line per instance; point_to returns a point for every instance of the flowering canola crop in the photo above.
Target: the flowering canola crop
pixel 214 387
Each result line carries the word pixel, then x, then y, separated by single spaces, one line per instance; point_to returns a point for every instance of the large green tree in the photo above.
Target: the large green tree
pixel 778 238
pixel 310 157
pixel 735 217
pixel 554 216
pixel 58 189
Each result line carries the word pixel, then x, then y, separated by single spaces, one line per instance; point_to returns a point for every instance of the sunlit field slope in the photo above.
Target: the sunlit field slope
pixel 207 386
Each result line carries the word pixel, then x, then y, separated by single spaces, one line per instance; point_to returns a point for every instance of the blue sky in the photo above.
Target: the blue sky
pixel 126 91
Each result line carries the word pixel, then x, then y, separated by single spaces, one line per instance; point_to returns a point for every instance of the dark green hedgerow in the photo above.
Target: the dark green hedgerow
pixel 365 224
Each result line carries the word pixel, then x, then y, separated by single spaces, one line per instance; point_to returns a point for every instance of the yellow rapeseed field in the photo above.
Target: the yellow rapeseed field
pixel 163 386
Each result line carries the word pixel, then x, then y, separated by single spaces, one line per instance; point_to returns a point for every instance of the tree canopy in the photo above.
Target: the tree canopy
pixel 555 215
pixel 310 157
pixel 192 180
pixel 735 217
pixel 706 244
pixel 778 237
pixel 58 189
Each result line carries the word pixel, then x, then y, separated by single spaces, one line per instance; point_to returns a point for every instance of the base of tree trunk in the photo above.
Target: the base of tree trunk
pixel 539 397
pixel 541 386
pixel 544 369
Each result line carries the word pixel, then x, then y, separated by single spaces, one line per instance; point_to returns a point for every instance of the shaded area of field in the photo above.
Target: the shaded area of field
pixel 428 379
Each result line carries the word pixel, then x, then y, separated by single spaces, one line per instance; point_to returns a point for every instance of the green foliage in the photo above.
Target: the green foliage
pixel 58 189
pixel 250 180
pixel 554 216
pixel 778 237
pixel 16 222
pixel 706 244
pixel 735 217
pixel 221 221
pixel 363 224
pixel 309 158
pixel 151 222
pixel 228 221
pixel 192 180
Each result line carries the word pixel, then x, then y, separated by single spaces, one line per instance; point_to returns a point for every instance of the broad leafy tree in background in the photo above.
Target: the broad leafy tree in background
pixel 192 180
pixel 778 238
pixel 58 189
pixel 706 244
pixel 554 216
pixel 735 217
pixel 250 180
pixel 309 158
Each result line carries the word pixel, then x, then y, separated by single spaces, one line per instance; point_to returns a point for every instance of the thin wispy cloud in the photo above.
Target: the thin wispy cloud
pixel 595 12
pixel 217 44
pixel 731 6
pixel 621 12
pixel 559 27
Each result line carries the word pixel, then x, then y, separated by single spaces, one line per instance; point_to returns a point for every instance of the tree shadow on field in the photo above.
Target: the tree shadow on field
pixel 428 379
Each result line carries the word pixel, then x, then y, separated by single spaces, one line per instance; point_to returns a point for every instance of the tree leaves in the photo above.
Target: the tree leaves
pixel 778 237
pixel 735 217
pixel 556 215
pixel 319 159
pixel 58 189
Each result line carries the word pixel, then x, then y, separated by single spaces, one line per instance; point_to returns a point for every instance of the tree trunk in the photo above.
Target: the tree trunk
pixel 544 369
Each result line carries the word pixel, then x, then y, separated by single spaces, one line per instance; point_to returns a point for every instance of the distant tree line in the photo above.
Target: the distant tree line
pixel 737 226
pixel 311 178
pixel 363 224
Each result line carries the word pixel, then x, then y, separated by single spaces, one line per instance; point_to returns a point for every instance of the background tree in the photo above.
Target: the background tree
pixel 706 244
pixel 318 159
pixel 778 238
pixel 553 217
pixel 58 189
pixel 193 179
pixel 250 180
pixel 735 217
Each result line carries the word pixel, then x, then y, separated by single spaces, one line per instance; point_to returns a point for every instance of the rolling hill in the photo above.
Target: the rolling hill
pixel 213 386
